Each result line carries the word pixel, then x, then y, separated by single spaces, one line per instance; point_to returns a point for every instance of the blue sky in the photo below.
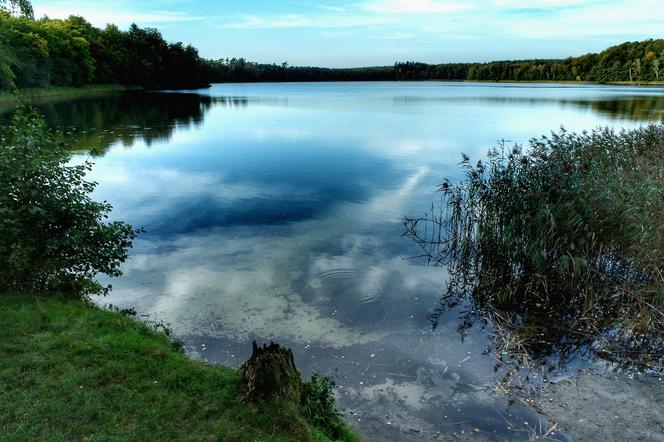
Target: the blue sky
pixel 378 32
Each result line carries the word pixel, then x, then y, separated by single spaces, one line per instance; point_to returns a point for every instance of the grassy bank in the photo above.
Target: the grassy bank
pixel 36 93
pixel 71 371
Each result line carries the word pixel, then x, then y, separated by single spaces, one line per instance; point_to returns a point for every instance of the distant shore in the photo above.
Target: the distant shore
pixel 567 82
pixel 32 93
pixel 37 93
pixel 610 83
pixel 570 82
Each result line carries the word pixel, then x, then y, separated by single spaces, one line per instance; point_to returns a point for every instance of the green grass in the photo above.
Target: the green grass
pixel 35 93
pixel 71 371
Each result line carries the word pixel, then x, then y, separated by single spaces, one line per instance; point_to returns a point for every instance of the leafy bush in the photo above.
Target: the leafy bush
pixel 319 407
pixel 54 237
pixel 24 7
pixel 564 239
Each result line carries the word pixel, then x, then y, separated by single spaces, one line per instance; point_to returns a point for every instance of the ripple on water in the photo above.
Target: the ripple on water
pixel 337 274
pixel 345 287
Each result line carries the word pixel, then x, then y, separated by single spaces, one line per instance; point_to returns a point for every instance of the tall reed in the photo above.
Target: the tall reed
pixel 564 238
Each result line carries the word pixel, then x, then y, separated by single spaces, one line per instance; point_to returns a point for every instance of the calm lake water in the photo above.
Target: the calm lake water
pixel 274 212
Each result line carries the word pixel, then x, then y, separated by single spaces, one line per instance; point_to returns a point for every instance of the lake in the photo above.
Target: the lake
pixel 274 212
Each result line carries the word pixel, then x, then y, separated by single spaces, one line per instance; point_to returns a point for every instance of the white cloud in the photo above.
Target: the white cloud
pixel 373 13
pixel 300 21
pixel 541 3
pixel 332 8
pixel 635 17
pixel 102 13
pixel 394 36
pixel 385 29
pixel 415 6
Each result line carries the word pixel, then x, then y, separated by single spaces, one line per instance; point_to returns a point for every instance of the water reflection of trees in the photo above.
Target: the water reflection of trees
pixel 635 108
pixel 95 123
pixel 644 108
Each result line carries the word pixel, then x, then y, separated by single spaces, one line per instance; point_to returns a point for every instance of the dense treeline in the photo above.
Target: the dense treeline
pixel 239 70
pixel 72 52
pixel 632 61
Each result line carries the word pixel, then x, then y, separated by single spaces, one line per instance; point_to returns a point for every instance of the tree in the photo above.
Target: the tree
pixel 29 58
pixel 53 236
pixel 655 68
pixel 23 6
pixel 636 69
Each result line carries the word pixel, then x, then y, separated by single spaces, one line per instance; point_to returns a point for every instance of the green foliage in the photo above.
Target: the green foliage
pixel 564 238
pixel 319 407
pixel 72 52
pixel 240 70
pixel 71 371
pixel 632 61
pixel 54 236
pixel 24 7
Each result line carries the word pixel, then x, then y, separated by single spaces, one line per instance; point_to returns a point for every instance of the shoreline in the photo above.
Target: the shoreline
pixel 653 84
pixel 88 90
pixel 47 92
pixel 76 371
pixel 608 83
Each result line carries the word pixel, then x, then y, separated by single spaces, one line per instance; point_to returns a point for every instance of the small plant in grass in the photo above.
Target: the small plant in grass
pixel 319 406
pixel 53 236
pixel 562 241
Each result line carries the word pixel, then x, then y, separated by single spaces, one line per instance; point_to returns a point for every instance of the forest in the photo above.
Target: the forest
pixel 72 52
pixel 37 53
pixel 628 62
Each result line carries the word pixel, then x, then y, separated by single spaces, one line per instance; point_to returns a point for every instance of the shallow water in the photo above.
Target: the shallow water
pixel 273 212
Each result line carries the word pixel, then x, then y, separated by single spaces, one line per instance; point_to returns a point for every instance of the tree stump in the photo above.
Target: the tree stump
pixel 270 373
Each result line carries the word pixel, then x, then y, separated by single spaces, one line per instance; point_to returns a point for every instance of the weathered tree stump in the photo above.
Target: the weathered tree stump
pixel 270 373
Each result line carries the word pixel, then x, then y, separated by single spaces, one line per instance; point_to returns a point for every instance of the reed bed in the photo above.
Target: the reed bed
pixel 560 243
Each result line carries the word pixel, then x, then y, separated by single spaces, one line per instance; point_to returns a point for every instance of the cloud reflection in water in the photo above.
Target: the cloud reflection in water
pixel 241 282
pixel 278 217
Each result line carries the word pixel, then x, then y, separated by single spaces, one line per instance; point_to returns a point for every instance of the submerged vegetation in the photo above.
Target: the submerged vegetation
pixel 561 243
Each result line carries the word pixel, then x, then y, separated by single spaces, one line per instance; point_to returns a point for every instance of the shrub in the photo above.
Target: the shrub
pixel 562 240
pixel 54 237
pixel 319 407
